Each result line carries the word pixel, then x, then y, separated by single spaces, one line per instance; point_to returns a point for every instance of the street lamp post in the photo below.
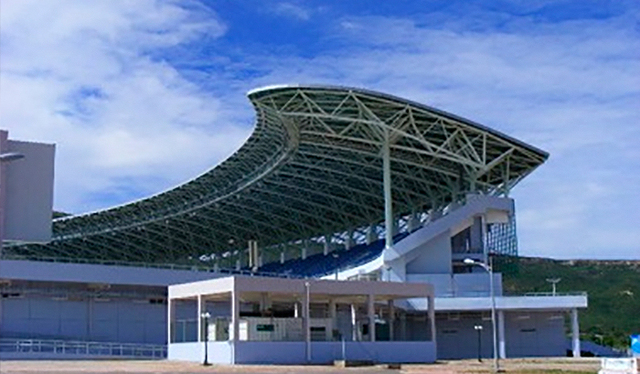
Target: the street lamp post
pixel 489 269
pixel 205 316
pixel 4 158
pixel 553 282
pixel 478 328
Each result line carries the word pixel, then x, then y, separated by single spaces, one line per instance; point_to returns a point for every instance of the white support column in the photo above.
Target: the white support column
pixel 282 257
pixel 575 332
pixel 354 323
pixel 303 251
pixel 371 234
pixel 392 317
pixel 200 310
pixel 296 310
pixel 307 322
pixel 371 314
pixel 502 346
pixel 171 314
pixel 388 202
pixel 349 242
pixel 235 318
pixel 327 245
pixel 333 314
pixel 432 318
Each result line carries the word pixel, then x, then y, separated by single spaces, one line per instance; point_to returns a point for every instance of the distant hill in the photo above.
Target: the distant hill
pixel 57 214
pixel 613 287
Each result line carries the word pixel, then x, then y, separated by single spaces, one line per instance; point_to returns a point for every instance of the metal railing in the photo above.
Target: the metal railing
pixel 486 293
pixel 83 348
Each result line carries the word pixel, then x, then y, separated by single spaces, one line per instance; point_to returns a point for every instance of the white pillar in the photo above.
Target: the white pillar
pixel 349 242
pixel 392 315
pixel 171 314
pixel 282 257
pixel 432 318
pixel 354 323
pixel 332 314
pixel 575 332
pixel 371 234
pixel 388 202
pixel 372 317
pixel 307 322
pixel 200 310
pixel 501 340
pixel 235 318
pixel 303 252
pixel 327 245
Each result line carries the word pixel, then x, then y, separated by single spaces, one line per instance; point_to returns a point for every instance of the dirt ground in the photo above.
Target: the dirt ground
pixel 521 366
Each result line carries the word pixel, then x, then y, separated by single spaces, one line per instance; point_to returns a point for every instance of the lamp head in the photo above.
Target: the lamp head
pixel 469 261
pixel 10 156
pixel 206 315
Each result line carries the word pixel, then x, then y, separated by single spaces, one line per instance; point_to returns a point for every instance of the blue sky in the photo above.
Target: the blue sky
pixel 142 95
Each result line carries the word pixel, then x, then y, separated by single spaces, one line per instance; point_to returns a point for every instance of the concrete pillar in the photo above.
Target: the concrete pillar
pixel 235 318
pixel 282 259
pixel 238 264
pixel 296 310
pixel 333 314
pixel 327 245
pixel 348 243
pixel 303 252
pixel 502 347
pixel 307 322
pixel 371 314
pixel 432 318
pixel 171 315
pixel 371 234
pixel 403 326
pixel 575 332
pixel 354 323
pixel 199 311
pixel 392 318
pixel 265 302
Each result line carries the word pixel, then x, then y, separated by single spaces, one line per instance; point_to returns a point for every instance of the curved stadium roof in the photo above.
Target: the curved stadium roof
pixel 311 167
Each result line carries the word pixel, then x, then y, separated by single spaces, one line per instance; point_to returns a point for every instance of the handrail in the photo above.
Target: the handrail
pixel 92 348
pixel 463 294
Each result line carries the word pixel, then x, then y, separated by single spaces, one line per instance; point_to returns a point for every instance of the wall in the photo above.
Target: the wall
pixel 91 273
pixel 112 320
pixel 433 257
pixel 295 352
pixel 528 334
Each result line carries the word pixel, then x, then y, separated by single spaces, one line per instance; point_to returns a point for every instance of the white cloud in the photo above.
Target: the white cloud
pixel 82 75
pixel 292 10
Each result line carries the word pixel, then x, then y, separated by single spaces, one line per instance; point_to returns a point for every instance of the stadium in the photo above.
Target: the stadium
pixel 351 223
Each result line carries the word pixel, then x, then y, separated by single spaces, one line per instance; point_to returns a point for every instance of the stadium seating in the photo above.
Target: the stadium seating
pixel 320 264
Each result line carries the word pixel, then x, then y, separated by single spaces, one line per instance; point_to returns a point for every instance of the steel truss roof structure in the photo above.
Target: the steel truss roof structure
pixel 311 168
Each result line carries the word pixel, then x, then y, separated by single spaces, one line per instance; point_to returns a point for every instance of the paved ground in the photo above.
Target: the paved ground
pixel 529 366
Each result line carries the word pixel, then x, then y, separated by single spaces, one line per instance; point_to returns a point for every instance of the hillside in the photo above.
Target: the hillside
pixel 613 288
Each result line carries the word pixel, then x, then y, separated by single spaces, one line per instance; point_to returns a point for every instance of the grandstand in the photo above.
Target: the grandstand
pixel 334 183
